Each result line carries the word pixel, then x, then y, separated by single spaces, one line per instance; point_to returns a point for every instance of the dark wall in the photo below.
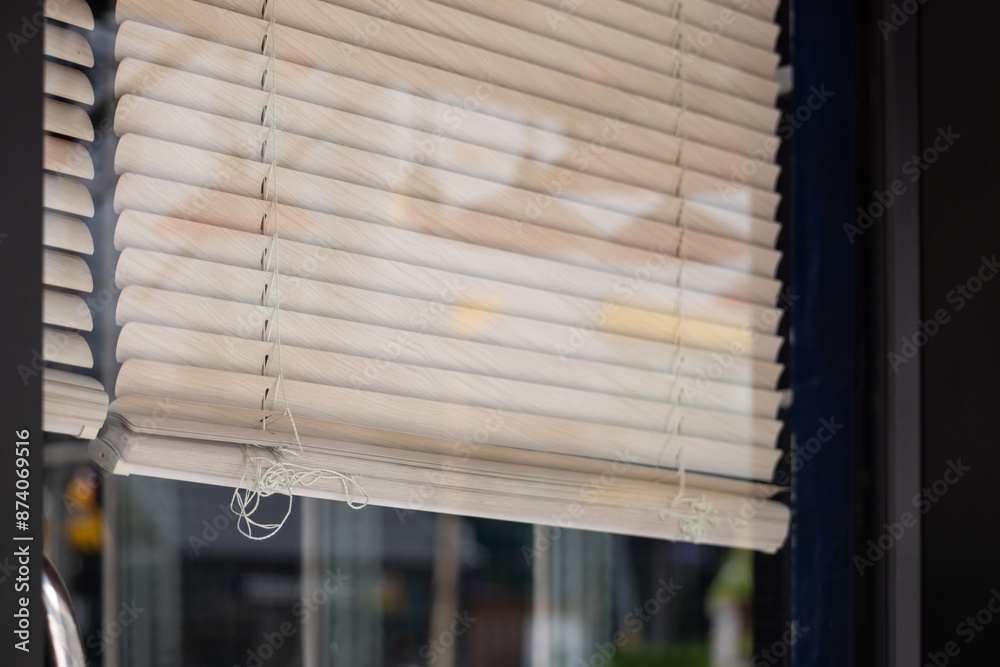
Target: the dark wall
pixel 21 326
pixel 960 52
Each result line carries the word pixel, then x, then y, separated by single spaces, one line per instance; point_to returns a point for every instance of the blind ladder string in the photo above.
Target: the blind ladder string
pixel 700 512
pixel 279 476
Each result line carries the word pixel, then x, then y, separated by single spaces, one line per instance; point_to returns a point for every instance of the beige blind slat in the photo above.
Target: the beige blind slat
pixel 174 236
pixel 191 54
pixel 72 404
pixel 66 310
pixel 67 119
pixel 389 122
pixel 68 83
pixel 570 26
pixel 60 269
pixel 219 463
pixel 75 380
pixel 312 297
pixel 68 45
pixel 592 37
pixel 68 157
pixel 759 11
pixel 64 232
pixel 211 315
pixel 66 195
pixel 66 347
pixel 212 352
pixel 74 12
pixel 635 20
pixel 203 350
pixel 71 417
pixel 437 419
pixel 656 73
pixel 629 16
pixel 451 183
pixel 396 56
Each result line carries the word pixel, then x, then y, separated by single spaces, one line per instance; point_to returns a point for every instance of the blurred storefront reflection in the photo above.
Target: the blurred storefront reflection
pixel 381 588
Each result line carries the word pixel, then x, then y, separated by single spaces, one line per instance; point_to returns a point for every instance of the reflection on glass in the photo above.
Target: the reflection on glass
pixel 398 588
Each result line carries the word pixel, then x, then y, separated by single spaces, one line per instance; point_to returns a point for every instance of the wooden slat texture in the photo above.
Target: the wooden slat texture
pixel 154 306
pixel 67 119
pixel 391 58
pixel 66 310
pixel 66 347
pixel 434 419
pixel 744 214
pixel 392 123
pixel 67 45
pixel 65 232
pixel 137 196
pixel 744 71
pixel 74 12
pixel 203 350
pixel 168 161
pixel 459 95
pixel 68 83
pixel 67 196
pixel 60 269
pixel 68 157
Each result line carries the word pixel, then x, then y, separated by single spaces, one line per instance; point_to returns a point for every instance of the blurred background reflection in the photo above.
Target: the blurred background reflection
pixel 377 587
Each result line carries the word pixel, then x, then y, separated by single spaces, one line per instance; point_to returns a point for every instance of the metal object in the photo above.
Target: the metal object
pixel 65 646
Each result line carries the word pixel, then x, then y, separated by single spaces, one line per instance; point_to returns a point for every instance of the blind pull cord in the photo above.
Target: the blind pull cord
pixel 263 476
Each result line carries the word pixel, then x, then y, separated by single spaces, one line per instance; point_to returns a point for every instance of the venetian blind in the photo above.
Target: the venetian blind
pixel 482 258
pixel 73 404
